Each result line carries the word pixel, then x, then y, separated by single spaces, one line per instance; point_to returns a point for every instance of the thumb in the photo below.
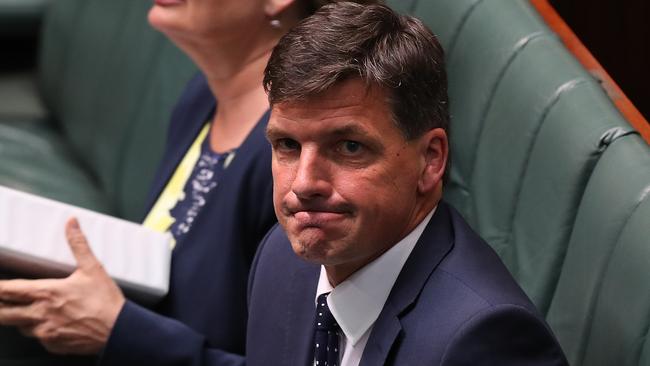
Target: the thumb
pixel 78 243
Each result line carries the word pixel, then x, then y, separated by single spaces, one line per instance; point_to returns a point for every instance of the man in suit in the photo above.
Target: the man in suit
pixel 369 266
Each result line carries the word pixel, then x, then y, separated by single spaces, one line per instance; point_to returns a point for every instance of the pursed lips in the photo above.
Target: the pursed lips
pixel 168 2
pixel 317 218
pixel 306 216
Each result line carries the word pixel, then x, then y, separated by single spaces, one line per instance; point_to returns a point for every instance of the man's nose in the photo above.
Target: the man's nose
pixel 312 178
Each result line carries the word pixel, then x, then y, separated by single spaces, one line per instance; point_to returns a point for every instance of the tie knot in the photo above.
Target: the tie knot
pixel 324 318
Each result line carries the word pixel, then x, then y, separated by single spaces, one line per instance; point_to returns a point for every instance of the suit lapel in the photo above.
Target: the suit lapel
pixel 383 335
pixel 300 315
pixel 434 244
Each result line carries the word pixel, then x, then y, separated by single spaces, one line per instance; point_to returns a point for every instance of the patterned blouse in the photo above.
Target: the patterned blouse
pixel 201 183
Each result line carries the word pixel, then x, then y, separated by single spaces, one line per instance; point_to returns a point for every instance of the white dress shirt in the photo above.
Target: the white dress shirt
pixel 356 302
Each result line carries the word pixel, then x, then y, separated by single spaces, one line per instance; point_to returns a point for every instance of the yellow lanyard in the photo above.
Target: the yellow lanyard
pixel 159 218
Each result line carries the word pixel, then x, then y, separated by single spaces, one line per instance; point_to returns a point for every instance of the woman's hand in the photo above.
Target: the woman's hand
pixel 74 315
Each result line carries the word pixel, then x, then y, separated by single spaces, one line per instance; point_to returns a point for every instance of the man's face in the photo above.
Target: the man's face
pixel 346 182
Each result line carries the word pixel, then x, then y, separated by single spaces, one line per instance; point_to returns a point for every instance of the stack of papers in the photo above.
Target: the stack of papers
pixel 33 243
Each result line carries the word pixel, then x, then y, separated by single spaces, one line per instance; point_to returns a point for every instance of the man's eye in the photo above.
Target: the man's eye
pixel 287 144
pixel 349 147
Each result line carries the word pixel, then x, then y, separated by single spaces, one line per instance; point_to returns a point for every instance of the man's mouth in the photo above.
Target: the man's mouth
pixel 168 2
pixel 306 219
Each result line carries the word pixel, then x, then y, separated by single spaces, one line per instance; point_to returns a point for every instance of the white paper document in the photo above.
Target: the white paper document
pixel 32 242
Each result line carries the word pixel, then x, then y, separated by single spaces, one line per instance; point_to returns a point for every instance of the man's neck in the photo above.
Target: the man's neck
pixel 340 272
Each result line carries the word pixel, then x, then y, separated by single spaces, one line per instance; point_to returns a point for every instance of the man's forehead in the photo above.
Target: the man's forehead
pixel 348 109
pixel 312 111
pixel 317 127
pixel 345 97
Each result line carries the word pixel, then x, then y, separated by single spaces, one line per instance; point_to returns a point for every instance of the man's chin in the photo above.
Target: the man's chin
pixel 310 244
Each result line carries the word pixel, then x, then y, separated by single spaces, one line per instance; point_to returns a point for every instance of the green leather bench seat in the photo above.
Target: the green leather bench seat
pixel 100 113
pixel 35 159
pixel 113 55
pixel 476 64
pixel 533 160
pixel 109 82
pixel 567 147
pixel 20 99
pixel 403 6
pixel 547 170
pixel 445 18
pixel 60 25
pixel 624 297
pixel 601 308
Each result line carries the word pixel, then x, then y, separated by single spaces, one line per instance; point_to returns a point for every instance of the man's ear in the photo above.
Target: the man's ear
pixel 275 7
pixel 435 150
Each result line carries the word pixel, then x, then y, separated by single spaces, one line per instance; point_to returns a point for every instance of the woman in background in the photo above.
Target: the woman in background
pixel 213 192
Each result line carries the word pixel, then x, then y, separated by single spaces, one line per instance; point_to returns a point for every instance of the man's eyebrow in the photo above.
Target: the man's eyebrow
pixel 272 131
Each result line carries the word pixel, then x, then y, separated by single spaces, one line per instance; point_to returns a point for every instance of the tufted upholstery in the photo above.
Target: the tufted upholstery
pixel 532 161
pixel 108 81
pixel 550 174
pixel 601 309
pixel 472 84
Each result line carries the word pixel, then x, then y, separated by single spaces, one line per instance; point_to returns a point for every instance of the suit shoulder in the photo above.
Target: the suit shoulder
pixel 503 334
pixel 479 313
pixel 477 268
pixel 275 246
pixel 275 260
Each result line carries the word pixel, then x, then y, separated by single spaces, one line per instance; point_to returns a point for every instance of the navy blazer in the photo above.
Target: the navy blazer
pixel 205 309
pixel 454 303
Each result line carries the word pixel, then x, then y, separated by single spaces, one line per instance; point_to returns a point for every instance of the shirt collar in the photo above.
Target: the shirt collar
pixel 357 301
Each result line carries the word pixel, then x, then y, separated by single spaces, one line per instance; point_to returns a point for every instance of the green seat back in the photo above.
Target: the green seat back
pixel 600 311
pixel 88 71
pixel 537 147
pixel 110 54
pixel 403 6
pixel 645 352
pixel 36 160
pixel 534 156
pixel 58 30
pixel 118 81
pixel 622 314
pixel 476 64
pixel 445 18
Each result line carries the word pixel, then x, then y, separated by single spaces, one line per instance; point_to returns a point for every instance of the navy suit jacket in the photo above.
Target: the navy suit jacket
pixel 204 315
pixel 454 303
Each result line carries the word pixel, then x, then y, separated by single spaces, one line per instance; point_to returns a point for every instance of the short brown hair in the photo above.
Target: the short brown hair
pixel 344 40
pixel 311 6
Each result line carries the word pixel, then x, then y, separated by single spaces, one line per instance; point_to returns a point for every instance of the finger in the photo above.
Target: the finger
pixel 22 291
pixel 20 316
pixel 79 246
